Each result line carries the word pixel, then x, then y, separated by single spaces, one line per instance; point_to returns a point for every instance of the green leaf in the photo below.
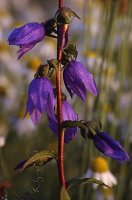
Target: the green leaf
pixel 64 194
pixel 75 181
pixel 40 158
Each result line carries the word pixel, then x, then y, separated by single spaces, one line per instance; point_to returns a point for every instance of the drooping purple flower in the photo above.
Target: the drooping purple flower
pixel 26 37
pixel 40 99
pixel 77 79
pixel 67 114
pixel 108 146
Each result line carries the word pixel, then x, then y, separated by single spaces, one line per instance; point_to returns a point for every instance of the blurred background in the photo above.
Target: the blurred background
pixel 103 38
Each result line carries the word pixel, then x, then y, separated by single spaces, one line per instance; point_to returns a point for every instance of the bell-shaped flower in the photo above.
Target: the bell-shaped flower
pixel 108 146
pixel 40 99
pixel 26 37
pixel 77 80
pixel 67 114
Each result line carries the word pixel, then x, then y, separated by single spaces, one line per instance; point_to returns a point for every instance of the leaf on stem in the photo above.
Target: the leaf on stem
pixel 40 158
pixel 73 182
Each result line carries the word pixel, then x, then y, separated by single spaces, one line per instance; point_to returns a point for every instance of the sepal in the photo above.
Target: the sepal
pixel 69 53
pixel 50 28
pixel 92 128
pixel 65 15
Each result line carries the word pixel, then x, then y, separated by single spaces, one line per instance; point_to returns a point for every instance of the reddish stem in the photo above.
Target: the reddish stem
pixel 59 110
pixel 60 3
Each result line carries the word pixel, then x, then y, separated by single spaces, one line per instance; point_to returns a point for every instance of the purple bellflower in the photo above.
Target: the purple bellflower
pixel 67 114
pixel 40 99
pixel 26 37
pixel 104 143
pixel 77 79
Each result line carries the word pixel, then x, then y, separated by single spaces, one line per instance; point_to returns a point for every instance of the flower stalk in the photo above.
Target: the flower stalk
pixel 59 107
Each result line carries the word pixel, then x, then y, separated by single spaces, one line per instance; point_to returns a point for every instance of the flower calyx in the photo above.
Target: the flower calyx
pixel 87 129
pixel 50 28
pixel 53 63
pixel 46 70
pixel 41 71
pixel 65 15
pixel 91 129
pixel 69 53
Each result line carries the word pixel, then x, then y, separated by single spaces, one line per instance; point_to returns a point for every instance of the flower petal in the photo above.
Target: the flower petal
pixel 68 114
pixel 40 99
pixel 23 50
pixel 104 143
pixel 77 79
pixel 73 84
pixel 30 33
pixel 35 116
pixel 26 37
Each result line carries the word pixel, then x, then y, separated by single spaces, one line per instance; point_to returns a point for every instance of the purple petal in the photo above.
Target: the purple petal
pixel 104 143
pixel 73 86
pixel 26 37
pixel 23 50
pixel 30 33
pixel 77 79
pixel 20 165
pixel 70 134
pixel 40 99
pixel 35 116
pixel 68 114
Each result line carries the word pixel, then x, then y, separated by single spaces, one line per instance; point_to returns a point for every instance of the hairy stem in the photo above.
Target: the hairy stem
pixel 59 109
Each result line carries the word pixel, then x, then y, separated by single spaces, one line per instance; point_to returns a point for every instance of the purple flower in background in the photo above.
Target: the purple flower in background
pixel 26 37
pixel 104 143
pixel 40 99
pixel 68 114
pixel 77 79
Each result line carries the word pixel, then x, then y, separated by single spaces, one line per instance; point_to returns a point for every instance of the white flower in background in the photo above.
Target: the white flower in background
pixel 100 171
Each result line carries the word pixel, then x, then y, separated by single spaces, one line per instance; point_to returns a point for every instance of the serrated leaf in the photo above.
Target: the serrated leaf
pixel 75 181
pixel 40 158
pixel 64 194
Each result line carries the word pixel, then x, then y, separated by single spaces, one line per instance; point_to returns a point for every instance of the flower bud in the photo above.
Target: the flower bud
pixel 65 16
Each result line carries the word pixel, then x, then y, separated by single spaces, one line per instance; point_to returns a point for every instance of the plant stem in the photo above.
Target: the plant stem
pixel 60 3
pixel 59 109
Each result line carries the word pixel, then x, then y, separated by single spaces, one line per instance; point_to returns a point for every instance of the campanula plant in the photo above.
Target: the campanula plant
pixel 108 146
pixel 77 80
pixel 40 99
pixel 67 114
pixel 26 37
pixel 63 120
